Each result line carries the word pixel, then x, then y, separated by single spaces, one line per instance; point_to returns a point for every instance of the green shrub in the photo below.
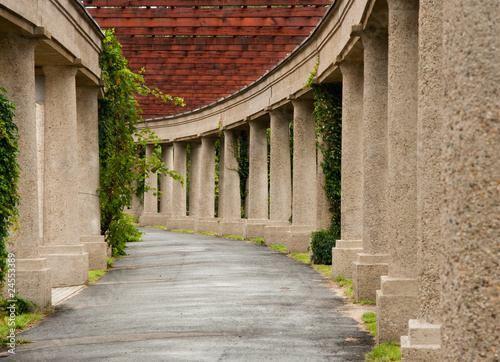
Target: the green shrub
pixel 322 243
pixel 22 305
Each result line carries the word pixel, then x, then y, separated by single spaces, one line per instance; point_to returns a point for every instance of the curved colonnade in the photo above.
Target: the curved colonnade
pixel 419 186
pixel 49 66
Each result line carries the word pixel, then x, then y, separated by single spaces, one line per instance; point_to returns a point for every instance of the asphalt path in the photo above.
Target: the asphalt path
pixel 186 297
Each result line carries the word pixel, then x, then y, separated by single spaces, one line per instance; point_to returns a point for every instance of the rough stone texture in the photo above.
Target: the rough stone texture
pixel 366 274
pixel 151 196
pixel 323 214
pixel 206 196
pixel 167 182
pixel 402 174
pixel 276 233
pixel 397 302
pixel 88 182
pixel 471 281
pixel 232 226
pixel 65 255
pixel 207 224
pixel 230 180
pixel 423 342
pixel 367 279
pixel 280 171
pixel 375 140
pixel 352 151
pixel 304 163
pixel 344 254
pixel 179 190
pixel 17 64
pixel 254 228
pixel 257 174
pixel 299 238
pixel 194 179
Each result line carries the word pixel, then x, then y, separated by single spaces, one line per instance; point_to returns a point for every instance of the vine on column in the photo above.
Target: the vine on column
pixel 9 176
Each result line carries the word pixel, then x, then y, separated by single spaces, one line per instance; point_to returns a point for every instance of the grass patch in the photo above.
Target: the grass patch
pixel 364 301
pixel 302 257
pixel 209 233
pixel 233 237
pixel 326 270
pixel 111 261
pixel 94 275
pixel 347 283
pixel 370 319
pixel 280 248
pixel 385 352
pixel 161 227
pixel 21 322
pixel 183 231
pixel 257 240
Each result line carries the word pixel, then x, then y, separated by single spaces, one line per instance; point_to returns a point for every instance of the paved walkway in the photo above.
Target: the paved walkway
pixel 184 297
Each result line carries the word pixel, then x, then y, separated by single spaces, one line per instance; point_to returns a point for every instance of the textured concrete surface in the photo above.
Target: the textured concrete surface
pixel 182 297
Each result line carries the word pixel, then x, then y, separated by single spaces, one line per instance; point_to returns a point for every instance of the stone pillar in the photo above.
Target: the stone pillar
pixel 323 213
pixel 206 198
pixel 65 254
pixel 304 176
pixel 194 179
pixel 33 277
pixel 257 181
pixel 231 223
pixel 167 182
pixel 88 198
pixel 397 301
pixel 471 173
pixel 280 178
pixel 424 338
pixel 220 202
pixel 151 196
pixel 372 263
pixel 179 190
pixel 346 249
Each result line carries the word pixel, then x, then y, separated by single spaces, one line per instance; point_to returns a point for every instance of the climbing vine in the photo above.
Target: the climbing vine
pixel 241 153
pixel 9 176
pixel 122 165
pixel 328 115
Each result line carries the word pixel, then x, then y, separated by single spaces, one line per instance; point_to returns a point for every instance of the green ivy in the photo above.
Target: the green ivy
pixel 123 168
pixel 241 152
pixel 9 176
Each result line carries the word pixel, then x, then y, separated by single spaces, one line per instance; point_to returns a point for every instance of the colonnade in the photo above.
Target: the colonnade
pixel 55 94
pixel 275 210
pixel 420 138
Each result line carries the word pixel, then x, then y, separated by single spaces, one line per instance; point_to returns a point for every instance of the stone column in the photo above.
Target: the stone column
pixel 222 156
pixel 346 249
pixel 399 289
pixel 33 277
pixel 424 338
pixel 151 196
pixel 280 178
pixel 194 179
pixel 372 263
pixel 304 176
pixel 65 254
pixel 257 181
pixel 179 190
pixel 206 213
pixel 167 182
pixel 231 223
pixel 88 198
pixel 471 173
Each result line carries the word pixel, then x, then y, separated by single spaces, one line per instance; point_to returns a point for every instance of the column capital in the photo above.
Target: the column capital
pixel 60 70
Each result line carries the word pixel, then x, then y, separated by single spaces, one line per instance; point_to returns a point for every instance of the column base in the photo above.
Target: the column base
pixel 232 226
pixel 423 342
pixel 207 224
pixel 33 281
pixel 254 228
pixel 97 249
pixel 153 219
pixel 397 303
pixel 182 223
pixel 299 238
pixel 134 211
pixel 69 264
pixel 344 254
pixel 277 233
pixel 366 273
